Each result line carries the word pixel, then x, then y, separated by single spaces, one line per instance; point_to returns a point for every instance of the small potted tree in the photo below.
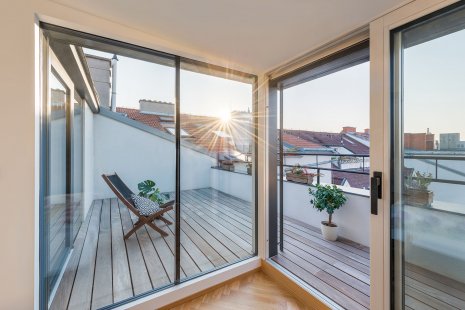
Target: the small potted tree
pixel 327 198
pixel 416 192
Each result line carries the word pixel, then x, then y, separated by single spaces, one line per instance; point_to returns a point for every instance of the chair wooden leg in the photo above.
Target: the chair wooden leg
pixel 138 225
pixel 161 232
pixel 162 218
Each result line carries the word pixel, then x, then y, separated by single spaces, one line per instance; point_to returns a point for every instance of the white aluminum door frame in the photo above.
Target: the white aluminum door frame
pixel 380 141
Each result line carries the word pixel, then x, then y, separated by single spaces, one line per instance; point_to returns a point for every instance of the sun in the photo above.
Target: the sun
pixel 225 117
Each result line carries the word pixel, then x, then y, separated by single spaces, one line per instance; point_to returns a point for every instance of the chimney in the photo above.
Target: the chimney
pixel 367 131
pixel 347 129
pixel 156 107
pixel 114 71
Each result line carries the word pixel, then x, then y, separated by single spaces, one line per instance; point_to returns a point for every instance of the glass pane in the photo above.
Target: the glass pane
pixel 77 194
pixel 123 242
pixel 56 211
pixel 217 196
pixel 428 211
pixel 325 141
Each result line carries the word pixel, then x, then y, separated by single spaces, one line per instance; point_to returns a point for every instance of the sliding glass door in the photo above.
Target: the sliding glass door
pixel 428 156
pixel 147 170
pixel 63 189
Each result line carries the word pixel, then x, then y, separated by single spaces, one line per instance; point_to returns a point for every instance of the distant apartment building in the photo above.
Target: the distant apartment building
pixel 450 141
pixel 419 141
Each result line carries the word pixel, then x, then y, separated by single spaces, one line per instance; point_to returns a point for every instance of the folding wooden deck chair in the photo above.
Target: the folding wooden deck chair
pixel 124 194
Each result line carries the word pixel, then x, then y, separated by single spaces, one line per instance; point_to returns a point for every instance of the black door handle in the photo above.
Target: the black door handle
pixel 376 191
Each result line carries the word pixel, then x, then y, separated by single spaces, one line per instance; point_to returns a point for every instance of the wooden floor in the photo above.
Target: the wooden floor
pixel 341 271
pixel 253 292
pixel 216 229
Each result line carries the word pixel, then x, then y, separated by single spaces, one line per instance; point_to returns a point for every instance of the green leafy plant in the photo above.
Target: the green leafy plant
pixel 419 180
pixel 327 198
pixel 297 170
pixel 149 189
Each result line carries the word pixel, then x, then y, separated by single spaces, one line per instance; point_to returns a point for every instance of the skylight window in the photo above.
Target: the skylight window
pixel 183 132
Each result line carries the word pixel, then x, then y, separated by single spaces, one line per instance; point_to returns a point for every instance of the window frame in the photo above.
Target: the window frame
pixel 49 32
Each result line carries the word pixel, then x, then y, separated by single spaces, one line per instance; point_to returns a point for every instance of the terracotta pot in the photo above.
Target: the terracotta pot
pixel 329 232
pixel 418 197
pixel 300 178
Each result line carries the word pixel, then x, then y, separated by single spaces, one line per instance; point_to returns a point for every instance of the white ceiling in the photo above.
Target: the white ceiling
pixel 255 34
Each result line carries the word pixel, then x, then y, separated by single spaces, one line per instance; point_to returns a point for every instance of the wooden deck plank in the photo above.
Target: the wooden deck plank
pixel 318 271
pixel 61 299
pixel 200 259
pixel 318 284
pixel 332 245
pixel 222 215
pixel 207 249
pixel 435 284
pixel 364 277
pixel 231 234
pixel 219 233
pixel 102 294
pixel 434 295
pixel 164 252
pixel 339 247
pixel 348 242
pixel 235 201
pixel 330 269
pixel 217 204
pixel 157 272
pixel 189 203
pixel 122 284
pixel 83 283
pixel 139 275
pixel 338 256
pixel 427 299
pixel 188 265
pixel 224 251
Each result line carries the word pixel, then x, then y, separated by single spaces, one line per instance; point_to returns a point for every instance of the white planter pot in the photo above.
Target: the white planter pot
pixel 328 232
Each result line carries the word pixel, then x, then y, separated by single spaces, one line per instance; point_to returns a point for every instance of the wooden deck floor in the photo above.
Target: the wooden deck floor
pixel 216 229
pixel 341 271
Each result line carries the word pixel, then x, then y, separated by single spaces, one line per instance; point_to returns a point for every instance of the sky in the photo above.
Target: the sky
pixel 434 86
pixel 330 102
pixel 201 94
pixel 434 91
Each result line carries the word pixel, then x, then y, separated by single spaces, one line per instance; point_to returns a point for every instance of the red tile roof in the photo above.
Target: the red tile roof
pixel 298 142
pixel 201 129
pixel 330 139
pixel 355 180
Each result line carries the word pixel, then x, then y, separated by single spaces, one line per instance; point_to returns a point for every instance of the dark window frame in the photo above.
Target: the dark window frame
pixel 65 35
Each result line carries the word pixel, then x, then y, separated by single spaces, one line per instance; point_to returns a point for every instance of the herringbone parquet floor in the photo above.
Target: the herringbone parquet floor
pixel 256 291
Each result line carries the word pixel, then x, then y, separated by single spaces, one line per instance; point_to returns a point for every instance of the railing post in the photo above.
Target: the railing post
pixel 318 176
pixel 436 168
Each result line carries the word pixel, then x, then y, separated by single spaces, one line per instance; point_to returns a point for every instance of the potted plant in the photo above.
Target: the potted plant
pixel 299 174
pixel 416 191
pixel 327 198
pixel 227 165
pixel 149 189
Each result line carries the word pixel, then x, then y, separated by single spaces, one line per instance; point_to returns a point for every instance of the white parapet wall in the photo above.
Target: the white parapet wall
pixel 233 183
pixel 137 155
pixel 353 218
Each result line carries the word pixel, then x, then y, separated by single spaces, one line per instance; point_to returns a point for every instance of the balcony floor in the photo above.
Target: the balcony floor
pixel 341 271
pixel 216 229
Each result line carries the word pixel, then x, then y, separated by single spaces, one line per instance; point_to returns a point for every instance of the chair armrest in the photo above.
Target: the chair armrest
pixel 167 204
